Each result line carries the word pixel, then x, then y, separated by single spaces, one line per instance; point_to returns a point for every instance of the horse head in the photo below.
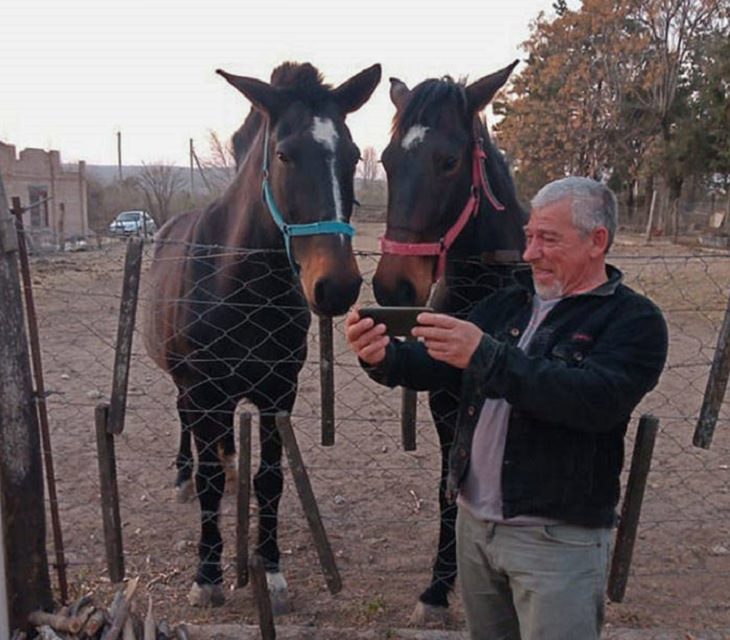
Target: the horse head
pixel 437 181
pixel 307 161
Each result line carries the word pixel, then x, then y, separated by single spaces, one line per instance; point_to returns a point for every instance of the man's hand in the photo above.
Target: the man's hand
pixel 448 339
pixel 365 338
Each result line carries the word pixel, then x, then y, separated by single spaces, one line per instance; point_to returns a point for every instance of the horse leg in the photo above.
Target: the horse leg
pixel 207 589
pixel 184 490
pixel 433 603
pixel 268 484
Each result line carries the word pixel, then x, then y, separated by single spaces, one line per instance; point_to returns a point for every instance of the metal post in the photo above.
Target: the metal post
pixel 243 499
pixel 327 380
pixel 40 394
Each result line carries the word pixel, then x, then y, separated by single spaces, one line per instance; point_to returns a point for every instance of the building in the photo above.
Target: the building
pixel 38 176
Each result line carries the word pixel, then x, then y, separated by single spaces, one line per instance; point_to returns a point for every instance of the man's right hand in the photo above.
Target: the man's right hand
pixel 366 339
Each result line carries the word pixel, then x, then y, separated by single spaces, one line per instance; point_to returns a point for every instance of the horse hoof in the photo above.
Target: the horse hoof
pixel 206 595
pixel 185 492
pixel 428 615
pixel 278 593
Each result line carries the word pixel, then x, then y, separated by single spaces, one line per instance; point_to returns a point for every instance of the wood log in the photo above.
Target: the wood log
pixel 182 633
pixel 94 624
pixel 46 633
pixel 150 628
pixel 163 630
pixel 120 615
pixel 57 621
pixel 128 629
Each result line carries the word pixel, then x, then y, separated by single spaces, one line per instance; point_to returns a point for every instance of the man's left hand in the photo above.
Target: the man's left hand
pixel 448 339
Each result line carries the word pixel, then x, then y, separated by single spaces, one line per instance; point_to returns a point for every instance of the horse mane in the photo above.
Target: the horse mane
pixel 302 80
pixel 424 96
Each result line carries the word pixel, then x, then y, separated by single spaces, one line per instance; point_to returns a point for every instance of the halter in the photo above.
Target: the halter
pixel 479 183
pixel 325 227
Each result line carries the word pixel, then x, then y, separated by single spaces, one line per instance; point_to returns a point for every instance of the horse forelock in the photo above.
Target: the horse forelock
pixel 303 79
pixel 424 99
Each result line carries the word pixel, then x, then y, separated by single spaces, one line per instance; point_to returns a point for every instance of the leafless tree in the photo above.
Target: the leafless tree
pixel 368 167
pixel 220 165
pixel 160 182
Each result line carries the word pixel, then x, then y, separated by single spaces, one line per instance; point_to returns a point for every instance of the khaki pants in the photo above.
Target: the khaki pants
pixel 531 582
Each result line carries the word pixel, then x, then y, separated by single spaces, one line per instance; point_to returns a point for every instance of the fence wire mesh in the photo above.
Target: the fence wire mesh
pixel 379 504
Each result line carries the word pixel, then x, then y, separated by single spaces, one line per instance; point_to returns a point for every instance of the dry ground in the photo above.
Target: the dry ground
pixel 378 502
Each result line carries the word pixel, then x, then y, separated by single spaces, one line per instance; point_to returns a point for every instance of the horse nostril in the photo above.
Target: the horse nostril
pixel 405 293
pixel 334 298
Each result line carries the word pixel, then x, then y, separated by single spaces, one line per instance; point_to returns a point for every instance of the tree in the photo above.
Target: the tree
pixel 368 166
pixel 220 165
pixel 160 182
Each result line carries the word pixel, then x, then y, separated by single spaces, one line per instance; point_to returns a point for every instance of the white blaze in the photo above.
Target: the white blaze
pixel 414 137
pixel 324 132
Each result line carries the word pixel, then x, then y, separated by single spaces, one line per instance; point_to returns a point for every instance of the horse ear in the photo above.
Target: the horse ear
pixel 354 93
pixel 263 96
pixel 399 93
pixel 480 92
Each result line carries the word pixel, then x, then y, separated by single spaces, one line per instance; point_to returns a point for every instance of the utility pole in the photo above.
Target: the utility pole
pixel 119 154
pixel 192 170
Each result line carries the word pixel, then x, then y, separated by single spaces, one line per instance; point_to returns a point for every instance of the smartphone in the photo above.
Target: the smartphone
pixel 398 321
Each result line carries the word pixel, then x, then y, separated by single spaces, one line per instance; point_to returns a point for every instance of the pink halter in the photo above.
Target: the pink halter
pixel 441 248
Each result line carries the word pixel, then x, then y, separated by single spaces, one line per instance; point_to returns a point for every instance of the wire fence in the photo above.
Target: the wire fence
pixel 378 503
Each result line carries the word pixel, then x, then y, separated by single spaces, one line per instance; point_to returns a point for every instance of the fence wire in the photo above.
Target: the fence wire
pixel 379 504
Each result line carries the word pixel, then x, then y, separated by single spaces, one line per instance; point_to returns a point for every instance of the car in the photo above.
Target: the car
pixel 137 222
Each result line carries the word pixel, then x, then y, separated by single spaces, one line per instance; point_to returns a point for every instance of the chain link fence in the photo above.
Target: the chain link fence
pixel 378 503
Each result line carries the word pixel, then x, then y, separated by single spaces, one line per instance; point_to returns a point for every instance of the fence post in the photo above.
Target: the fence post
pixel 327 380
pixel 125 333
pixel 631 508
pixel 28 584
pixel 111 519
pixel 716 386
pixel 243 498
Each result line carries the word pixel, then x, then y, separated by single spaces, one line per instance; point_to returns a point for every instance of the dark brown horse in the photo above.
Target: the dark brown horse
pixel 232 288
pixel 453 217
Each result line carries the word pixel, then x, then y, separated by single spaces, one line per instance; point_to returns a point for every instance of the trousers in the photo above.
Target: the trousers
pixel 542 582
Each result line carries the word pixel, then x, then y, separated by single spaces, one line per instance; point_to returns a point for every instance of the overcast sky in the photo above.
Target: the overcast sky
pixel 74 72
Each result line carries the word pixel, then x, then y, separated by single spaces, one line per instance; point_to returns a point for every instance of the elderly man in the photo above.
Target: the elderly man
pixel 548 371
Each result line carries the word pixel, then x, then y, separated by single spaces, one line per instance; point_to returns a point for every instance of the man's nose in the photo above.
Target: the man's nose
pixel 531 251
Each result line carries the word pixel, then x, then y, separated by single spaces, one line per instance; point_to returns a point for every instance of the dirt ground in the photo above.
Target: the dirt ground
pixel 378 502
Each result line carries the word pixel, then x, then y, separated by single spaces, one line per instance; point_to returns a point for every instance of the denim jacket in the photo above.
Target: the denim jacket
pixel 572 393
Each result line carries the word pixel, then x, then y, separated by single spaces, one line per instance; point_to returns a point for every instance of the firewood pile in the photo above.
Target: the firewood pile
pixel 85 619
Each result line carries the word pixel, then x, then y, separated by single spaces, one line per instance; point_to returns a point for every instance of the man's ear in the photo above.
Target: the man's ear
pixel 599 241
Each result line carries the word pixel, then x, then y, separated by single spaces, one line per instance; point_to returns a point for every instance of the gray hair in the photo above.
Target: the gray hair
pixel 592 203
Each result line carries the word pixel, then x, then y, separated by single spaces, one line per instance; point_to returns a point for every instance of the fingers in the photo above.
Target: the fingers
pixel 365 338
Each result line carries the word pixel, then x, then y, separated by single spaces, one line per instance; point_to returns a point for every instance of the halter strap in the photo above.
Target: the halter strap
pixel 479 184
pixel 324 227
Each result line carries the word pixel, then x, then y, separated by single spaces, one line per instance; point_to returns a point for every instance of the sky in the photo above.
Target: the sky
pixel 75 72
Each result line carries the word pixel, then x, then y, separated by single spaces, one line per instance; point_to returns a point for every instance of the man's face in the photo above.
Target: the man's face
pixel 564 261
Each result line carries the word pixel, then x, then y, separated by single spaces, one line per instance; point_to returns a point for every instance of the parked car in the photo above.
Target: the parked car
pixel 129 223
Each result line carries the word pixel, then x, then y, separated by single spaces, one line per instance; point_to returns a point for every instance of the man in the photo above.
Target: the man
pixel 549 372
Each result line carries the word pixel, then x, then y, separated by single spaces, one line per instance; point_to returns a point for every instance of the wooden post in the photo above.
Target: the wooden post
pixel 28 584
pixel 631 508
pixel 716 386
pixel 243 498
pixel 309 503
pixel 408 419
pixel 650 221
pixel 261 597
pixel 327 380
pixel 125 333
pixel 109 494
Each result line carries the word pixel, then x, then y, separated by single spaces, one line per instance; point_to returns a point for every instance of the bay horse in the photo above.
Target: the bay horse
pixel 232 288
pixel 453 219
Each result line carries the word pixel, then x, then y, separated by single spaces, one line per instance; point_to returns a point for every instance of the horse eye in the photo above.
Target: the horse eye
pixel 281 157
pixel 449 163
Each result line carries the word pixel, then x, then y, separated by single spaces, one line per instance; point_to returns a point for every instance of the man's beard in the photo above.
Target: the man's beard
pixel 549 292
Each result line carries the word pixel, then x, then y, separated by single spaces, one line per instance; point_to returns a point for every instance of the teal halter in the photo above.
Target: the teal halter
pixel 325 227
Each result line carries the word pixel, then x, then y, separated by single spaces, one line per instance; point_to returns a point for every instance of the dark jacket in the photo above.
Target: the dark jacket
pixel 587 367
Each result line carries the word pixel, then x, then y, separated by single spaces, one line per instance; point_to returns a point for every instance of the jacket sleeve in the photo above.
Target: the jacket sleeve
pixel 603 389
pixel 408 364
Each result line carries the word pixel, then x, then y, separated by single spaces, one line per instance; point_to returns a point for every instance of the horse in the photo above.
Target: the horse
pixel 453 219
pixel 232 287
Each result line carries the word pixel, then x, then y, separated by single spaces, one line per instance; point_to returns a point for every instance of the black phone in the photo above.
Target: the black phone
pixel 398 321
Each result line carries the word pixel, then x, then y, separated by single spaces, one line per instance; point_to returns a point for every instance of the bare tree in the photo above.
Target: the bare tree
pixel 368 168
pixel 160 182
pixel 220 165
